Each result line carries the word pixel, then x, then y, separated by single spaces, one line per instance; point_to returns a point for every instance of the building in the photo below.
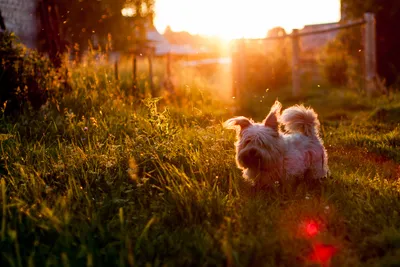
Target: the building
pixel 312 43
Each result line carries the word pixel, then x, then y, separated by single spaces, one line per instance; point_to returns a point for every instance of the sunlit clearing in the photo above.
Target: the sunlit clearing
pixel 128 12
pixel 231 19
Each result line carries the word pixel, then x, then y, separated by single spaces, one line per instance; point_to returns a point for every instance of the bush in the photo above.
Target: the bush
pixel 340 60
pixel 25 76
pixel 335 69
pixel 267 70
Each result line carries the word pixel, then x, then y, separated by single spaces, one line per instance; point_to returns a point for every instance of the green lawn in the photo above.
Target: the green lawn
pixel 101 179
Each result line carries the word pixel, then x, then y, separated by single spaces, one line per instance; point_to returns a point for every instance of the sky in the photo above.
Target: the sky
pixel 242 18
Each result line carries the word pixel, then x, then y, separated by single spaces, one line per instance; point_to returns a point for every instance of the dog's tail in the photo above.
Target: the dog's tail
pixel 300 119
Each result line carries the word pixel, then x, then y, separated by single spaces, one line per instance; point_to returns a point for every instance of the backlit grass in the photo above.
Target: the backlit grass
pixel 99 178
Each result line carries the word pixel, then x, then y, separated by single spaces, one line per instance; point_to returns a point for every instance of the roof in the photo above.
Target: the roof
pixel 163 47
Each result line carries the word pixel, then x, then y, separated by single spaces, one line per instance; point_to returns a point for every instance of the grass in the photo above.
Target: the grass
pixel 98 178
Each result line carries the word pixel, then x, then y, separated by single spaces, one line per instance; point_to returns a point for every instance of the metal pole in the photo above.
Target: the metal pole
pixel 242 68
pixel 234 53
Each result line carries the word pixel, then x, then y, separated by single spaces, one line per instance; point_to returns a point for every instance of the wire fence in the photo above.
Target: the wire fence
pixel 302 50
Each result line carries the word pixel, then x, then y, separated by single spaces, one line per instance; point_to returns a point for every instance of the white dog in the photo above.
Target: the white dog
pixel 265 154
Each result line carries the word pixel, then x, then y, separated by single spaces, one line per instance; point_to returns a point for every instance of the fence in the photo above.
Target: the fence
pixel 370 72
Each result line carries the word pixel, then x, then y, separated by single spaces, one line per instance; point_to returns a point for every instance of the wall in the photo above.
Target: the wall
pixel 20 17
pixel 312 43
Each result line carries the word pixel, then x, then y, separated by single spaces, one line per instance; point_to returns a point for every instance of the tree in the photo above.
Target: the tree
pixel 168 30
pixel 124 30
pixel 388 37
pixel 81 20
pixel 276 32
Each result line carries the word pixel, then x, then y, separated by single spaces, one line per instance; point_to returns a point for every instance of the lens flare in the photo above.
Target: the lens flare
pixel 322 254
pixel 310 228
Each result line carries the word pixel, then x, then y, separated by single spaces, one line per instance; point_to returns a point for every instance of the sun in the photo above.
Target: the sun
pixel 230 19
pixel 223 18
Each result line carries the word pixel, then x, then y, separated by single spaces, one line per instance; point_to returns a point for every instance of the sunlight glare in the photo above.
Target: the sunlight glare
pixel 233 19
pixel 322 254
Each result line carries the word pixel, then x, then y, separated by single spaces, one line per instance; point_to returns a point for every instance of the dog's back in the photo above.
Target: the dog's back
pixel 299 119
pixel 303 144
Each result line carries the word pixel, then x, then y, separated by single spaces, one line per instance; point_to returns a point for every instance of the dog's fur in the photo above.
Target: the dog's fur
pixel 266 154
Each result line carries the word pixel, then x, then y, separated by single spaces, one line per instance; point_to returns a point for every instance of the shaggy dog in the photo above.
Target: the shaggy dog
pixel 266 155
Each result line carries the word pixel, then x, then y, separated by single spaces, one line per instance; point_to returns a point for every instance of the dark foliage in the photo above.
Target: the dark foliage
pixel 23 76
pixel 388 37
pixel 84 21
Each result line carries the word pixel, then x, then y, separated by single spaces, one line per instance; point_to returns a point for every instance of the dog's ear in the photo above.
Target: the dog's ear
pixel 272 119
pixel 243 122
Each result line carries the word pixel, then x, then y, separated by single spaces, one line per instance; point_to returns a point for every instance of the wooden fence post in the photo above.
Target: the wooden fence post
pixel 116 72
pixel 134 73
pixel 150 58
pixel 169 65
pixel 370 53
pixel 295 63
pixel 168 81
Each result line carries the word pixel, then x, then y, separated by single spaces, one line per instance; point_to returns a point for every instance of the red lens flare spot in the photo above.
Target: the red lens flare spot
pixel 310 228
pixel 322 254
